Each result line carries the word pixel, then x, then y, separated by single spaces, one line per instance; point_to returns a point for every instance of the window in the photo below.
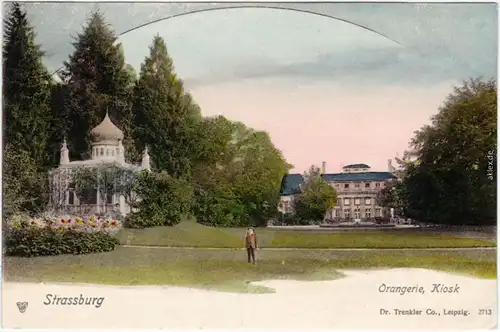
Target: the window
pixel 357 201
pixel 112 152
pixel 367 185
pixel 88 197
pixel 356 185
pixel 347 214
pixel 109 197
pixel 378 213
pixel 285 206
pixel 368 213
pixel 336 213
pixel 346 185
pixel 71 198
pixel 107 152
pixel 368 201
pixel 347 201
pixel 102 151
pixel 339 201
pixel 377 185
pixel 337 185
pixel 357 214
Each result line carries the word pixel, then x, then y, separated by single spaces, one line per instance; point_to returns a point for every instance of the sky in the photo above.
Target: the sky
pixel 323 88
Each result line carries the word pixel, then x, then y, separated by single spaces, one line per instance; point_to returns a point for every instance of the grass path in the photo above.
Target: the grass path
pixel 318 249
pixel 227 270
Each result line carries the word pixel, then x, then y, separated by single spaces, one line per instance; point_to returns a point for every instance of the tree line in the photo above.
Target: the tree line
pixel 449 174
pixel 219 171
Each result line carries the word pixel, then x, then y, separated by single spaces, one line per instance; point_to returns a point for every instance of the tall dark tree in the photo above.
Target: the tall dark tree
pixel 453 179
pixel 166 118
pixel 60 122
pixel 27 116
pixel 98 80
pixel 26 88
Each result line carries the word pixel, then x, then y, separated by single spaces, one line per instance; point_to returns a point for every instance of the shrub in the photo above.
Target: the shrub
pixel 164 201
pixel 382 220
pixel 58 236
pixel 219 211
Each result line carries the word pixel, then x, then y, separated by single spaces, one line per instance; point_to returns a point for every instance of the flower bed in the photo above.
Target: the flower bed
pixel 78 224
pixel 49 236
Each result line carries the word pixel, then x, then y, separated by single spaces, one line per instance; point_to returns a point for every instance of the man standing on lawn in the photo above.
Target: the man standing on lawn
pixel 251 244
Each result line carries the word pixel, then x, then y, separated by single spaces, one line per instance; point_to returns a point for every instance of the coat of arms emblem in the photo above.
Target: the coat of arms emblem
pixel 22 306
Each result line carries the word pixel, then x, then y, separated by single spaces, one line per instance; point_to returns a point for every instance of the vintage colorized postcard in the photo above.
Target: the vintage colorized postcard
pixel 249 166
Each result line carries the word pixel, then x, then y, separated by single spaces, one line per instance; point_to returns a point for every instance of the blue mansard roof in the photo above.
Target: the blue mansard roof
pixel 362 176
pixel 291 182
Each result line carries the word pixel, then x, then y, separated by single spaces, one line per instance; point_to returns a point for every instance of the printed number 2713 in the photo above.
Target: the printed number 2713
pixel 485 312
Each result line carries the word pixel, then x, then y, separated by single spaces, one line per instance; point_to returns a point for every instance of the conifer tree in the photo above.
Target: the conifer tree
pixel 165 116
pixel 26 98
pixel 97 81
pixel 26 88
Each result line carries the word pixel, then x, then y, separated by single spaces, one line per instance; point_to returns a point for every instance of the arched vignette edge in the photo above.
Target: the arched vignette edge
pixel 252 6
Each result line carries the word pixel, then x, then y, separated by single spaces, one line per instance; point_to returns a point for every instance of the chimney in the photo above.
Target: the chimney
pixel 323 167
pixel 389 166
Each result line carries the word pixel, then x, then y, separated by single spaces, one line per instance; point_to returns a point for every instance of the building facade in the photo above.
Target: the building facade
pixel 290 187
pixel 107 153
pixel 356 186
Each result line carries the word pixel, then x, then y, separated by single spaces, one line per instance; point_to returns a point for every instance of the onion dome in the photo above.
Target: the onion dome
pixel 106 131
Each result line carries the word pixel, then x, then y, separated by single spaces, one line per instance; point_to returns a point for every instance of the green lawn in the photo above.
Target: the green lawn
pixel 373 239
pixel 191 234
pixel 226 270
pixel 185 234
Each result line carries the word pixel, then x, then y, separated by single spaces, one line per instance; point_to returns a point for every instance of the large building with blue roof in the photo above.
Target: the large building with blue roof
pixel 357 188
